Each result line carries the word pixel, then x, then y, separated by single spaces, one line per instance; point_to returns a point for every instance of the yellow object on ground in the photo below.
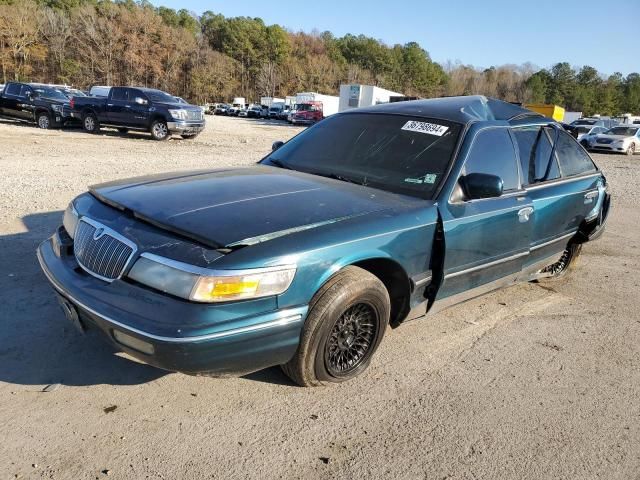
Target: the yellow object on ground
pixel 552 111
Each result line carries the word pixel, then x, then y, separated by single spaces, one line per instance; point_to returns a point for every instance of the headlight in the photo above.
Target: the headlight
pixel 56 108
pixel 204 285
pixel 178 114
pixel 70 219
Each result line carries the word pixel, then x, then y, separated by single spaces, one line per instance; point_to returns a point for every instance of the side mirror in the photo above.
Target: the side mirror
pixel 140 101
pixel 276 145
pixel 481 185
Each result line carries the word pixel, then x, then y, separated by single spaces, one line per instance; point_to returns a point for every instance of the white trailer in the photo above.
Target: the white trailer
pixel 330 103
pixel 268 101
pixel 355 96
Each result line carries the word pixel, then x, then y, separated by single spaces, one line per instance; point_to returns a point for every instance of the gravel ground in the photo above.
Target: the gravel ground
pixel 530 382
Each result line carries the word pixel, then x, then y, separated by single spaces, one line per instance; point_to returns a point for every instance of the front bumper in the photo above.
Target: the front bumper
pixel 607 147
pixel 208 340
pixel 184 127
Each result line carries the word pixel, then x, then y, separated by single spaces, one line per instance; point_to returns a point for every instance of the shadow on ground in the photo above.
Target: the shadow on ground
pixel 38 346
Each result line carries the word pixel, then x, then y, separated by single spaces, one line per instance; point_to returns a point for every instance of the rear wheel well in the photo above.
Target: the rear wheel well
pixel 396 281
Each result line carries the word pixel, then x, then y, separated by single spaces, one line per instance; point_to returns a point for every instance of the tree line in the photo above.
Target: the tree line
pixel 210 58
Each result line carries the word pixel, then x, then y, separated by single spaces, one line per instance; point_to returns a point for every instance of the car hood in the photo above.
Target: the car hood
pixel 237 206
pixel 184 106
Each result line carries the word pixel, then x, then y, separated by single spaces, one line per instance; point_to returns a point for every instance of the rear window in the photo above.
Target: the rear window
pixel 572 157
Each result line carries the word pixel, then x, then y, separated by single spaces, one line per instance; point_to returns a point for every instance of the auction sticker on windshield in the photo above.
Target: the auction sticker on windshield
pixel 424 127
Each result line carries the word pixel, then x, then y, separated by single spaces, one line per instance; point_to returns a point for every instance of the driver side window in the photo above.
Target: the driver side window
pixel 492 153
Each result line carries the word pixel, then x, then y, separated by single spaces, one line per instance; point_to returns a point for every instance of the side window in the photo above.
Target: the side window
pixel 535 145
pixel 120 94
pixel 26 89
pixel 573 159
pixel 492 153
pixel 13 89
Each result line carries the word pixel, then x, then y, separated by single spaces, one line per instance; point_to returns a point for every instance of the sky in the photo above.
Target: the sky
pixel 475 32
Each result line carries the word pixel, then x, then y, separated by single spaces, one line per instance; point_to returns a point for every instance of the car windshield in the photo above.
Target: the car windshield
pixel 584 122
pixel 160 96
pixel 624 131
pixel 392 152
pixel 51 93
pixel 583 129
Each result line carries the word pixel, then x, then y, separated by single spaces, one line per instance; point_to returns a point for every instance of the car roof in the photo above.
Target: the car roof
pixel 463 109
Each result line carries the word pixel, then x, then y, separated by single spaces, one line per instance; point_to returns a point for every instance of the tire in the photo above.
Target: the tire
pixel 90 123
pixel 559 270
pixel 631 150
pixel 43 120
pixel 159 130
pixel 349 312
pixel 189 137
pixel 123 130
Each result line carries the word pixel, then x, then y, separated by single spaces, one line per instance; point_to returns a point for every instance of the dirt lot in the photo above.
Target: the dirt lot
pixel 525 383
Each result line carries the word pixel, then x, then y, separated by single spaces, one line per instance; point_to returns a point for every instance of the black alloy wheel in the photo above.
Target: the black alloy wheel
pixel 351 338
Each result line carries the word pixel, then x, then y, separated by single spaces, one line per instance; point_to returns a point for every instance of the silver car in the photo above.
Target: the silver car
pixel 621 139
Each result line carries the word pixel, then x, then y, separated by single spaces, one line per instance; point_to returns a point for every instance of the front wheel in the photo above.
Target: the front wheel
pixel 346 322
pixel 90 123
pixel 43 120
pixel 159 130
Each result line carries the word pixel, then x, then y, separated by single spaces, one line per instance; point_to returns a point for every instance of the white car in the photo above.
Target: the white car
pixel 585 133
pixel 621 139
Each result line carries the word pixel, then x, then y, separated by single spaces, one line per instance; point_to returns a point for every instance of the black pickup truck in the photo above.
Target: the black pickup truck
pixel 137 108
pixel 43 105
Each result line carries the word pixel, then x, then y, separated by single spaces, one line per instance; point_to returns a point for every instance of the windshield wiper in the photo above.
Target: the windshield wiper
pixel 279 163
pixel 342 178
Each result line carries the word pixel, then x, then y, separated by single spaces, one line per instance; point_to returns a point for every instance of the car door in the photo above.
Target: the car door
pixel 117 110
pixel 11 99
pixel 486 240
pixel 138 112
pixel 558 180
pixel 26 103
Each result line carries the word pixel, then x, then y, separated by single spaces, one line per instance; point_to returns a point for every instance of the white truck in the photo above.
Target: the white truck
pixel 355 96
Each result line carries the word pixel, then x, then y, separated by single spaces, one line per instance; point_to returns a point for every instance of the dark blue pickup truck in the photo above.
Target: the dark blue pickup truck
pixel 137 108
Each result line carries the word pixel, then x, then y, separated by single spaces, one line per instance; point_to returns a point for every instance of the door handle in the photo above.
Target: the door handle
pixel 109 104
pixel 127 106
pixel 589 196
pixel 524 214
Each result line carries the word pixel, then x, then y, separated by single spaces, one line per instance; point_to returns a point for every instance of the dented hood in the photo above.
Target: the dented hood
pixel 242 205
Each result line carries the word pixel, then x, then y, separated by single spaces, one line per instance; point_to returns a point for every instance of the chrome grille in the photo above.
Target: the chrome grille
pixel 100 251
pixel 194 115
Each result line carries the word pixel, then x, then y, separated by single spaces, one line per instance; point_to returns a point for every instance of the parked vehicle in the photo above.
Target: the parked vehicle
pixel 34 103
pixel 136 108
pixel 99 91
pixel 595 122
pixel 254 111
pixel 312 107
pixel 621 139
pixel 374 216
pixel 243 113
pixel 275 110
pixel 358 96
pixel 584 133
pixel 221 109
